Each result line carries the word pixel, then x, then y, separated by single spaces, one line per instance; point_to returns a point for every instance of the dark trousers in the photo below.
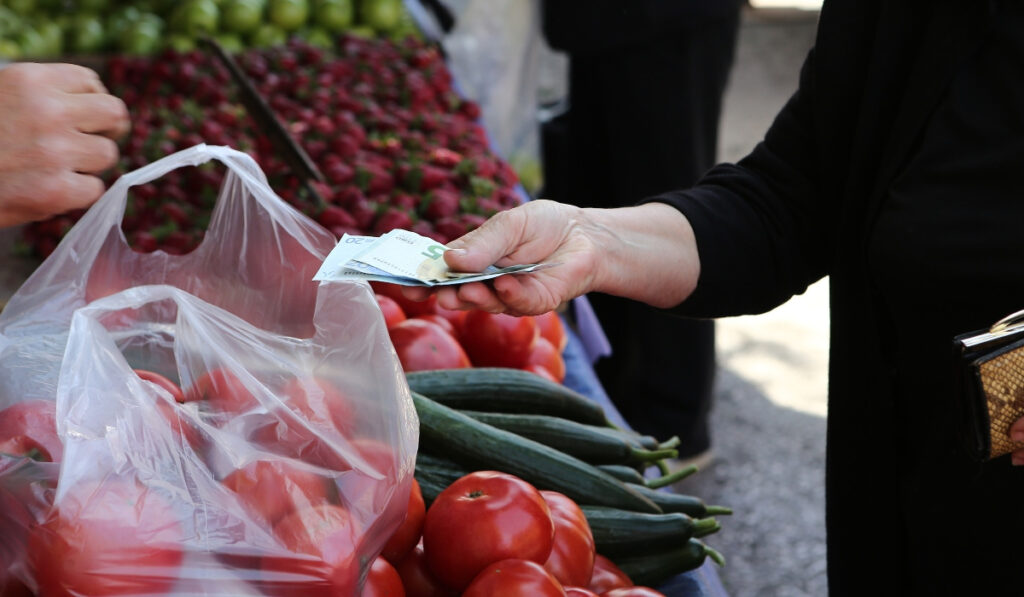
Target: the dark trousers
pixel 643 119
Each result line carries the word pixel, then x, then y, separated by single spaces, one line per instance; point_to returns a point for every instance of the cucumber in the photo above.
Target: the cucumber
pixel 596 445
pixel 498 389
pixel 677 502
pixel 651 569
pixel 466 441
pixel 623 473
pixel 617 532
pixel 431 483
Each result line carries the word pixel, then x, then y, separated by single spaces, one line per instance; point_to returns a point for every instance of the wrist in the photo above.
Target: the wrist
pixel 648 253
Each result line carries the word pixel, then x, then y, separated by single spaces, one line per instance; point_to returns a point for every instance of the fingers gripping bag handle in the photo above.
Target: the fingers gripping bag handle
pixel 257 260
pixel 253 260
pixel 284 470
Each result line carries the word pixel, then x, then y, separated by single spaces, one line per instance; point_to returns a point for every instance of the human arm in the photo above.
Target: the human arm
pixel 645 253
pixel 57 131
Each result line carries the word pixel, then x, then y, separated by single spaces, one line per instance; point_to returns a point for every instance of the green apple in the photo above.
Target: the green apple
pixel 289 15
pixel 180 42
pixel 9 50
pixel 333 15
pixel 267 35
pixel 32 44
pixel 316 36
pixel 241 16
pixel 381 15
pixel 21 7
pixel 143 36
pixel 195 17
pixel 53 35
pixel 119 20
pixel 231 42
pixel 362 31
pixel 85 34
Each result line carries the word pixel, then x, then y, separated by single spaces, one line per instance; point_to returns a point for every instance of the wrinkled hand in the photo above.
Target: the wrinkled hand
pixel 647 253
pixel 536 232
pixel 1017 435
pixel 57 131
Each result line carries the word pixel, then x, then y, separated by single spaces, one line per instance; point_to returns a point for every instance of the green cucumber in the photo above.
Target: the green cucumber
pixel 618 532
pixel 498 389
pixel 469 442
pixel 596 445
pixel 623 473
pixel 651 569
pixel 677 502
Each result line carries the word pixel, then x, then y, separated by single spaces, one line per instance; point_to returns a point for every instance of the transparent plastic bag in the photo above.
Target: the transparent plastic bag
pixel 289 463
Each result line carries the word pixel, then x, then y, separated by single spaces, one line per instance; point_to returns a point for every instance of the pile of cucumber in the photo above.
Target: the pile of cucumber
pixel 516 422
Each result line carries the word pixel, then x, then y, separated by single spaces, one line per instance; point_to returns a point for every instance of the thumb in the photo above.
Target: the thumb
pixel 494 239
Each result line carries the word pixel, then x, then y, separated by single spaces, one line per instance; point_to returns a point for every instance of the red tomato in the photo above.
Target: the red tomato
pixel 181 425
pixel 409 307
pixel 579 592
pixel 408 534
pixel 547 356
pixel 272 489
pixel 572 553
pixel 392 311
pixel 111 538
pixel 496 339
pixel 416 576
pixel 482 518
pixel 327 532
pixel 383 580
pixel 632 592
pixel 514 578
pixel 360 483
pixel 552 329
pixel 607 576
pixel 424 345
pixel 168 385
pixel 454 316
pixel 441 321
pixel 541 371
pixel 321 403
pixel 29 428
pixel 223 391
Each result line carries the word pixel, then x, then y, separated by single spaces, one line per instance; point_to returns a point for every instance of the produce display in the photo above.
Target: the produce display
pixel 397 146
pixel 618 530
pixel 46 29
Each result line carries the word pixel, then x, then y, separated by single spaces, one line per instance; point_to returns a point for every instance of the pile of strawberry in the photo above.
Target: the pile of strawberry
pixel 491 533
pixel 427 336
pixel 398 146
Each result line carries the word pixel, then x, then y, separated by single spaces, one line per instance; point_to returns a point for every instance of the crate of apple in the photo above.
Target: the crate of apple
pixel 36 29
pixel 398 147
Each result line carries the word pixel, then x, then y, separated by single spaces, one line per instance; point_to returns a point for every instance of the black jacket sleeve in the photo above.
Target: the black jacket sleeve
pixel 762 225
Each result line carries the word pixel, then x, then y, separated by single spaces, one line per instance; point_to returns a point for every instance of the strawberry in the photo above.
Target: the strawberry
pixel 441 203
pixel 374 179
pixel 391 219
pixel 444 157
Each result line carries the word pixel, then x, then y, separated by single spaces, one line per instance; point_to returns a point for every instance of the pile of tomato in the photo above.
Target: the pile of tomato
pixel 491 534
pixel 428 336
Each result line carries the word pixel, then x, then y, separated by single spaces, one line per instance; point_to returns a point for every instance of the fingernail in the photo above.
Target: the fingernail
pixel 1018 436
pixel 457 252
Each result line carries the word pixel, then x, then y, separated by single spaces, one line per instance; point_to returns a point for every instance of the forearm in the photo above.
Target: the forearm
pixel 649 253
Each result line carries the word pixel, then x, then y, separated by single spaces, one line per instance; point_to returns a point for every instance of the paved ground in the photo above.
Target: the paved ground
pixel 768 419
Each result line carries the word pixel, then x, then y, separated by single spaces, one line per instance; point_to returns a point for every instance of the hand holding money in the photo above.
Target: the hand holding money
pixel 647 253
pixel 401 257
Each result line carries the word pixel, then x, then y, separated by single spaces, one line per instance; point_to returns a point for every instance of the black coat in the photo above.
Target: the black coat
pixel 907 512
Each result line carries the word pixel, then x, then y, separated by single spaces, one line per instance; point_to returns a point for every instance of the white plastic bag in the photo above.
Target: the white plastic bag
pixel 289 463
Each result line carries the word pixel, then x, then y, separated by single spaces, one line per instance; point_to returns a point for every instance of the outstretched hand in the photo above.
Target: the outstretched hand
pixel 57 131
pixel 646 253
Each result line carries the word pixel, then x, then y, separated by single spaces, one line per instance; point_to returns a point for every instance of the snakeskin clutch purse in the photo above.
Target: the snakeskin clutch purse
pixel 993 374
